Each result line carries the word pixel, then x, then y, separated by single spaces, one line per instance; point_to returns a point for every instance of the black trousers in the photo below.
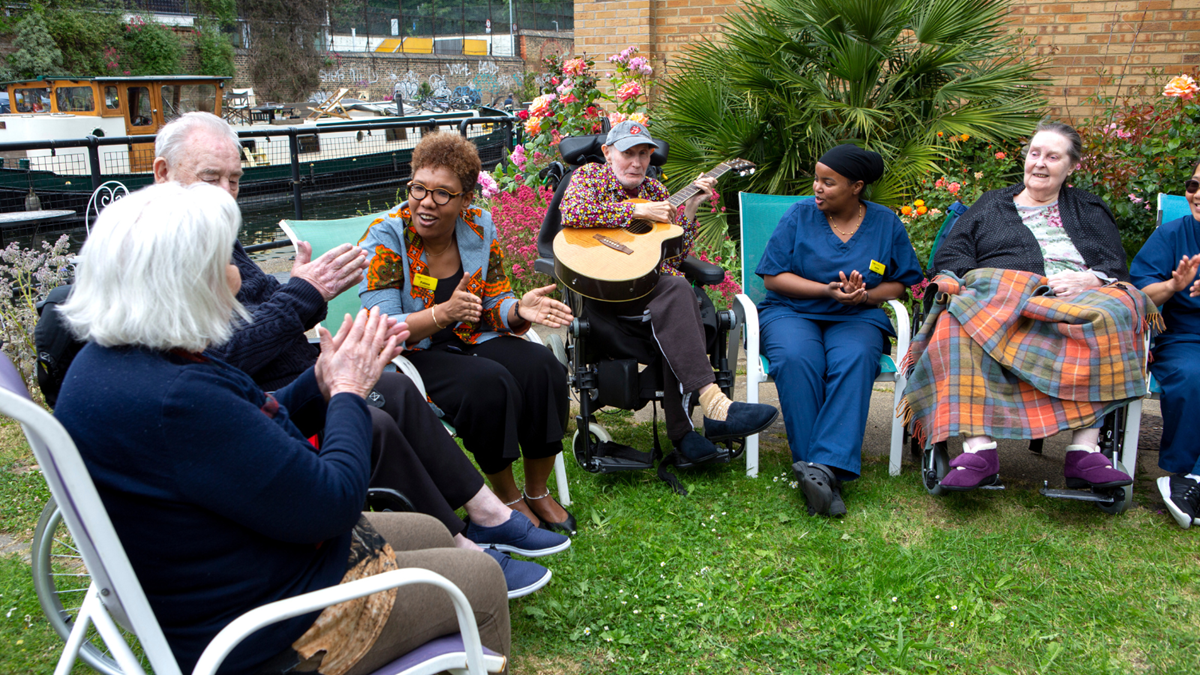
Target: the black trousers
pixel 411 452
pixel 675 331
pixel 506 396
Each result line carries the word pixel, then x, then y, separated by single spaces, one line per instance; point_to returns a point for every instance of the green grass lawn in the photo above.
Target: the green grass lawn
pixel 736 578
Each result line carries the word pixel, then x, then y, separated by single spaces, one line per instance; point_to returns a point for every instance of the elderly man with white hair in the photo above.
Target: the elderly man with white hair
pixel 410 450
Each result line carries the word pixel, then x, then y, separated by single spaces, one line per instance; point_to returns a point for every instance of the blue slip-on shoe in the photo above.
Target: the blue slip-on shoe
pixel 743 419
pixel 517 535
pixel 521 576
pixel 696 448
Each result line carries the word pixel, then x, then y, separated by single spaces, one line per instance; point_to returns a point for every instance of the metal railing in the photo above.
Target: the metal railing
pixel 333 170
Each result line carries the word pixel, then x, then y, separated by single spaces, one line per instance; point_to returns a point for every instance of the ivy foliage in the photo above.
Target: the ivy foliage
pixel 38 54
pixel 285 32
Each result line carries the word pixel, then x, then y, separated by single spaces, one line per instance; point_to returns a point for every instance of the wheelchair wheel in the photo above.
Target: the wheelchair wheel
pixel 555 344
pixel 598 434
pixel 61 580
pixel 1121 505
pixel 935 463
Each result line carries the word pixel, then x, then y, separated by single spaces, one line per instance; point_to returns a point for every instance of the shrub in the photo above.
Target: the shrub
pixel 151 48
pixel 518 217
pixel 38 53
pixel 26 277
pixel 214 52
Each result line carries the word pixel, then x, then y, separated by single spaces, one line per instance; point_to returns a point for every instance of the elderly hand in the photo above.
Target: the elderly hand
pixel 536 307
pixel 332 273
pixel 352 361
pixel 1067 285
pixel 655 212
pixel 462 306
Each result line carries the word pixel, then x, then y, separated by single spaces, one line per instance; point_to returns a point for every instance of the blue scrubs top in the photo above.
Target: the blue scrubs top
pixel 1156 261
pixel 804 244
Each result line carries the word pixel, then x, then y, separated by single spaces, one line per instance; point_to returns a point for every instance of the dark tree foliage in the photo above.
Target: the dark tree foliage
pixel 286 51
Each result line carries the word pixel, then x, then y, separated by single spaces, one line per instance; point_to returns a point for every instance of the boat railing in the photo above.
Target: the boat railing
pixel 326 170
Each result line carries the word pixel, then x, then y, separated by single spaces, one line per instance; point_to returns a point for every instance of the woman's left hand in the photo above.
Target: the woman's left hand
pixel 536 307
pixel 1067 285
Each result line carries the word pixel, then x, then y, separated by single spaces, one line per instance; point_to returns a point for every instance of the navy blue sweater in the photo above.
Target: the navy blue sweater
pixel 220 502
pixel 272 348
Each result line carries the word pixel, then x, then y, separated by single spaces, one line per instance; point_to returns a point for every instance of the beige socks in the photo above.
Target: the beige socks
pixel 715 403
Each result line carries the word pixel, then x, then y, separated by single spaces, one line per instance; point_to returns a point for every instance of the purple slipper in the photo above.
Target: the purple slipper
pixel 973 469
pixel 1085 469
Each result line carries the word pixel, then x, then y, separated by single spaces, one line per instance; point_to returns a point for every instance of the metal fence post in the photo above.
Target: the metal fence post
pixel 94 161
pixel 294 147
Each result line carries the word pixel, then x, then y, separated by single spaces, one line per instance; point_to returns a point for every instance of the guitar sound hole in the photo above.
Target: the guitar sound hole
pixel 639 227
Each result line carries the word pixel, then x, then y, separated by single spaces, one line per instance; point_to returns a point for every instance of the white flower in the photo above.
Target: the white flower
pixel 587 631
pixel 894 598
pixel 954 608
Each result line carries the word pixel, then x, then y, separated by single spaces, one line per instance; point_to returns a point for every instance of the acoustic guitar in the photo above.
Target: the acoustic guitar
pixel 615 264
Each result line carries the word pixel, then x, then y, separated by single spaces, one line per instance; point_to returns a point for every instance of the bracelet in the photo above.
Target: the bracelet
pixel 433 313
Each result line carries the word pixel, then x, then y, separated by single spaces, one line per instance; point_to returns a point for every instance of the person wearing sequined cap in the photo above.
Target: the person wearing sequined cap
pixel 831 263
pixel 597 197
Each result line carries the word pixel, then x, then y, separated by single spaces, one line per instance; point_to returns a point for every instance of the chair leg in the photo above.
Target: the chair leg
pixel 1129 448
pixel 896 456
pixel 560 477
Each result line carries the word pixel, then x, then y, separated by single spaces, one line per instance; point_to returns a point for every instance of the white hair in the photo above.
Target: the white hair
pixel 171 138
pixel 153 271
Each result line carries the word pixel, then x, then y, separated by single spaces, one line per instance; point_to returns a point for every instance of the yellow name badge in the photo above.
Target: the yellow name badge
pixel 426 282
pixel 878 267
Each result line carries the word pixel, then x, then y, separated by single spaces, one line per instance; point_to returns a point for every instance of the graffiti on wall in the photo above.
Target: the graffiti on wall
pixel 383 78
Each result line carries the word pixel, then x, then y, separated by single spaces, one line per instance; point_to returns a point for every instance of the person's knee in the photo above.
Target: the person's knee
pixel 410 531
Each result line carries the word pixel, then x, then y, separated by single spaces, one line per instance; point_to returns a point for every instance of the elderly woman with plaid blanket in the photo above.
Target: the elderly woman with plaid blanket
pixel 1031 328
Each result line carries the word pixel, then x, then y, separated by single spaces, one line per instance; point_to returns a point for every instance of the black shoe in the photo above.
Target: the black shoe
pixel 837 507
pixel 819 486
pixel 743 419
pixel 696 448
pixel 1182 497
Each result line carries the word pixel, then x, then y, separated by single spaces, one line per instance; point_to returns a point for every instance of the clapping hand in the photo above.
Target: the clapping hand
pixel 537 307
pixel 332 273
pixel 463 306
pixel 352 361
pixel 1184 275
pixel 849 290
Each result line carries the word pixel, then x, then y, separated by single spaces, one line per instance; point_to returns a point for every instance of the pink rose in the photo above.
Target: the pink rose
pixel 954 188
pixel 629 90
pixel 1000 155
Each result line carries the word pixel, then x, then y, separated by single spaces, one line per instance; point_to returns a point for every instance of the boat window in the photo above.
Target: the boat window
pixel 180 99
pixel 32 100
pixel 112 100
pixel 75 99
pixel 141 114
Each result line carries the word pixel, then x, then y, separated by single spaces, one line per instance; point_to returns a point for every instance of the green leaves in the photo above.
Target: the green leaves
pixel 793 78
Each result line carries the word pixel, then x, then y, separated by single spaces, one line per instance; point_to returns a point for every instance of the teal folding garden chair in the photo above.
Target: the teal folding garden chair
pixel 760 214
pixel 325 235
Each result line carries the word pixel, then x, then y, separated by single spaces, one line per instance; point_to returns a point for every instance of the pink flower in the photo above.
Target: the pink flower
pixel 522 114
pixel 629 90
pixel 569 98
pixel 1000 155
pixel 575 67
pixel 488 186
pixel 554 80
pixel 954 188
pixel 939 182
pixel 518 156
pixel 1135 199
pixel 641 65
pixel 555 137
pixel 615 118
pixel 540 106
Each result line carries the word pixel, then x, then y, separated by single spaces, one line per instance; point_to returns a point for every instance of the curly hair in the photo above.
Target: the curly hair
pixel 450 151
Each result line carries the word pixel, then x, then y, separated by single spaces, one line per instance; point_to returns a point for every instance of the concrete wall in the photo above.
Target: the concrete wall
pixel 1093 48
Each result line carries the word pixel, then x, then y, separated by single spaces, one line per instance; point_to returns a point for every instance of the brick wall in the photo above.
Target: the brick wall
pixel 1092 48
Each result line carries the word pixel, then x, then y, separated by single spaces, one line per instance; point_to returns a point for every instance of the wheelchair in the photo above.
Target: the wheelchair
pixel 599 379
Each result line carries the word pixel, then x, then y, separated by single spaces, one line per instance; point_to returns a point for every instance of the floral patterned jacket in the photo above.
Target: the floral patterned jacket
pixel 396 253
pixel 595 199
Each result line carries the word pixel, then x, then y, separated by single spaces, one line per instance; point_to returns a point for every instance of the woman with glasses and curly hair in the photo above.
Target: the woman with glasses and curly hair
pixel 1165 270
pixel 436 265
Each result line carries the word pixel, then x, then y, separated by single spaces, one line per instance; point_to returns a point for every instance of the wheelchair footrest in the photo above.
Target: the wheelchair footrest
pixel 613 457
pixel 1103 497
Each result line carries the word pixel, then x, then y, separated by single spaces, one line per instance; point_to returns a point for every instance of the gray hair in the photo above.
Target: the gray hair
pixel 1075 152
pixel 153 272
pixel 172 136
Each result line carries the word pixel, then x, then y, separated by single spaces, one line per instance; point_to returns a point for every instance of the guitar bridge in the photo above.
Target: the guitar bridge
pixel 613 244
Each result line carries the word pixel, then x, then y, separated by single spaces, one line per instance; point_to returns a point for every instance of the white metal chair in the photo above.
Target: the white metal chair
pixel 107 193
pixel 115 598
pixel 324 235
pixel 760 214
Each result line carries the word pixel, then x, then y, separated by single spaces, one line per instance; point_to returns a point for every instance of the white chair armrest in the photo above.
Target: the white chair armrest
pixel 240 628
pixel 406 367
pixel 903 331
pixel 533 337
pixel 754 374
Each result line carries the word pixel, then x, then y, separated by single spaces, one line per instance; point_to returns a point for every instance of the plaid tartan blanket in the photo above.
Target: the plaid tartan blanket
pixel 997 356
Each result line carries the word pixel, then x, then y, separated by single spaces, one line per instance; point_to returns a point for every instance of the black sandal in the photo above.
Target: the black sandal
pixel 567 527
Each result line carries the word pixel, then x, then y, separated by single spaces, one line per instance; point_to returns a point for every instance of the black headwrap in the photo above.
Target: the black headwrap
pixel 854 163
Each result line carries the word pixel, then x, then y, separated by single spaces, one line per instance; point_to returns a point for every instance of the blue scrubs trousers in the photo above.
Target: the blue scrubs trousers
pixel 1176 366
pixel 824 372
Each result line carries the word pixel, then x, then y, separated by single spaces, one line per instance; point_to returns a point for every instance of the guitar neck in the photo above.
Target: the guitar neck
pixel 688 192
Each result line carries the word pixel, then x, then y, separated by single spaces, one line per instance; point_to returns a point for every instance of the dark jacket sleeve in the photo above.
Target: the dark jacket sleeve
pixel 280 312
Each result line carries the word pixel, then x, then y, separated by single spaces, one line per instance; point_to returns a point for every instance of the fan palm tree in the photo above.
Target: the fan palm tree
pixel 793 78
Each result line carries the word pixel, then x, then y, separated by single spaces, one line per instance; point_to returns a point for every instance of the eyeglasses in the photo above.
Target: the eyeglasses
pixel 417 192
pixel 1191 185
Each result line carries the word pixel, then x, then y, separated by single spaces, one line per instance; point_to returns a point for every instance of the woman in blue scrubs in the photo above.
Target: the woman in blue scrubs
pixel 832 261
pixel 1165 269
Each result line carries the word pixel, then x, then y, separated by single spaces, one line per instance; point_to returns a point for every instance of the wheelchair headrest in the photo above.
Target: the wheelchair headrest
pixel 580 150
